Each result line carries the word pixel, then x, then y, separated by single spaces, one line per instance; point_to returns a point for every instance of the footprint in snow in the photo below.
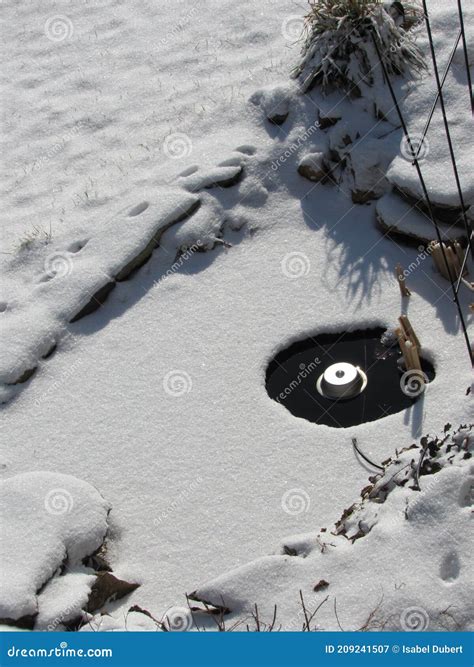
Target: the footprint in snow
pixel 138 209
pixel 450 567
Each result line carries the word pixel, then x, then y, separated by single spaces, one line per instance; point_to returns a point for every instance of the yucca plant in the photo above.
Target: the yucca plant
pixel 338 49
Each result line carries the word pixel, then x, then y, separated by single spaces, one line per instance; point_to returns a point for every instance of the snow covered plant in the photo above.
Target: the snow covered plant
pixel 338 49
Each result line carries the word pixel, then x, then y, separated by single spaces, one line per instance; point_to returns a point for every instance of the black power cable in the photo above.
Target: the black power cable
pixel 433 107
pixel 466 57
pixel 447 131
pixel 426 196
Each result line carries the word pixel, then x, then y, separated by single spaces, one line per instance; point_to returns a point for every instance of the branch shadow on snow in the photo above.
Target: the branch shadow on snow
pixel 365 259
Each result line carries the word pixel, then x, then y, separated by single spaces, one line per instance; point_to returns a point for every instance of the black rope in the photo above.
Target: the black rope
pixel 466 57
pixel 427 199
pixel 430 115
pixel 447 131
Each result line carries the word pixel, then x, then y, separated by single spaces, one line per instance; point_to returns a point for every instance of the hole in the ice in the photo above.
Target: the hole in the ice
pixel 136 210
pixel 3 306
pixel 344 379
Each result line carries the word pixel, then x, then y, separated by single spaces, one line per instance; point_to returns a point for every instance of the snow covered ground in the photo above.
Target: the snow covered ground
pixel 118 125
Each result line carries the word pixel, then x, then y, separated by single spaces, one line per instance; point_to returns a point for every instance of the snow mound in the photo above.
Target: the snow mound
pixel 48 520
pixel 222 176
pixel 63 599
pixel 74 280
pixel 274 101
pixel 413 517
pixel 435 161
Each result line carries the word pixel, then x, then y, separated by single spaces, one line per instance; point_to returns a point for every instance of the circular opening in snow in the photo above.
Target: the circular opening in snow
pixel 345 379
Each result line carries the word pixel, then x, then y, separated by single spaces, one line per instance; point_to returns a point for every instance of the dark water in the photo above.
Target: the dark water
pixel 292 375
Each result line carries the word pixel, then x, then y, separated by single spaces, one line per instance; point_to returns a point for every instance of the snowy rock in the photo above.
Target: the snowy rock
pixel 368 163
pixel 108 587
pixel 274 102
pixel 328 121
pixel 313 167
pixel 75 283
pixel 434 157
pixel 63 599
pixel 48 521
pixel 399 219
pixel 340 139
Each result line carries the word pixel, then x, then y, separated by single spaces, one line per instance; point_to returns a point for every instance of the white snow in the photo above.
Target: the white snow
pixel 48 520
pixel 436 163
pixel 158 399
pixel 410 571
pixel 68 278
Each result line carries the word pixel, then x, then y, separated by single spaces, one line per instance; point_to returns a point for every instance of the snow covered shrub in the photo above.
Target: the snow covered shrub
pixel 338 49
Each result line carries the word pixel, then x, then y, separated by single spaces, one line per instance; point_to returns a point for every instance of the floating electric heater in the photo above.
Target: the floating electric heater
pixel 342 380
